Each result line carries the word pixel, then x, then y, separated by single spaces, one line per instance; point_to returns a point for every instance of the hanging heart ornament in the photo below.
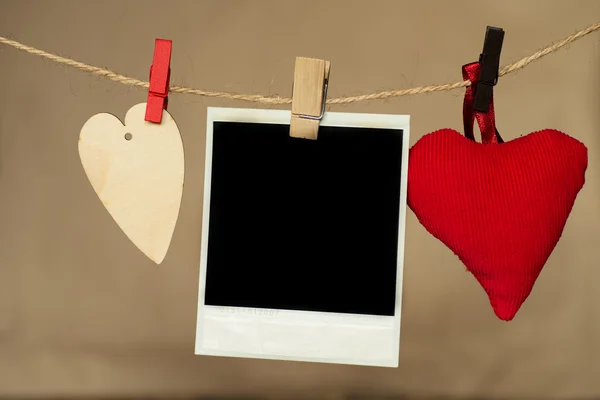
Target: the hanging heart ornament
pixel 137 171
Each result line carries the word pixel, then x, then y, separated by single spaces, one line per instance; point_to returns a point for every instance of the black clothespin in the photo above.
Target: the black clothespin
pixel 489 60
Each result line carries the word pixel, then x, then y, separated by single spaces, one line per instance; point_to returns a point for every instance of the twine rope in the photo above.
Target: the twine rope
pixel 258 98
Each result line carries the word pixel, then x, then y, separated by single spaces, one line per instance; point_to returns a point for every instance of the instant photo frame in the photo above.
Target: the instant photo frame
pixel 303 240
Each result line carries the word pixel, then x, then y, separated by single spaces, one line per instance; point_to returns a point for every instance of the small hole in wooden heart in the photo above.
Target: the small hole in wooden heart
pixel 128 136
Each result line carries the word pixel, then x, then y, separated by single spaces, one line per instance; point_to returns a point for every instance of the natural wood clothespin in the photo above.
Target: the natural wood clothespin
pixel 311 78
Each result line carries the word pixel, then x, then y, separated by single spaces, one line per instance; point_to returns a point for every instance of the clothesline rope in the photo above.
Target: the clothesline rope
pixel 258 98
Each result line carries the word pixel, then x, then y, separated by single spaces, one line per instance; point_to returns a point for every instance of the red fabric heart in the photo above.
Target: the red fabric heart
pixel 500 207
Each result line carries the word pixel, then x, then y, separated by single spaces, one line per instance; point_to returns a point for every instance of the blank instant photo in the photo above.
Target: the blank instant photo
pixel 303 240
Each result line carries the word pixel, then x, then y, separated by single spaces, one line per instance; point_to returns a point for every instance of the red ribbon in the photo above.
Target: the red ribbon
pixel 486 121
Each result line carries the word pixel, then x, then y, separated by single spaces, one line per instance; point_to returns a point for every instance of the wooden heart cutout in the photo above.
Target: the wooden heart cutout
pixel 137 171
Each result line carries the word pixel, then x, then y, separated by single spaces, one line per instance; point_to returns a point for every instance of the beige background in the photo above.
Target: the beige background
pixel 82 311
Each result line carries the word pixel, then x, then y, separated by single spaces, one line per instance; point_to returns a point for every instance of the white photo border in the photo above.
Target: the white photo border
pixel 300 335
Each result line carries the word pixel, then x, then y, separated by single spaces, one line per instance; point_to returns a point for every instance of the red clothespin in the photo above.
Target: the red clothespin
pixel 160 75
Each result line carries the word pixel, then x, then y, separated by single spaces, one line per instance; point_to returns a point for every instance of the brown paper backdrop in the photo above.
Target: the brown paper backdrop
pixel 82 311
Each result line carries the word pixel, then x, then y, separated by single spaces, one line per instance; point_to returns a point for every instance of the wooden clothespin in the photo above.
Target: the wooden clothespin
pixel 160 75
pixel 489 61
pixel 309 94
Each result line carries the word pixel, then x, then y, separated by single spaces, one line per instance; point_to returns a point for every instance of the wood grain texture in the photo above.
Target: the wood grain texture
pixel 137 171
pixel 310 76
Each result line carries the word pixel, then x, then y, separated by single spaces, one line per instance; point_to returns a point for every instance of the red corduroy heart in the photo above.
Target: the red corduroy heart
pixel 500 207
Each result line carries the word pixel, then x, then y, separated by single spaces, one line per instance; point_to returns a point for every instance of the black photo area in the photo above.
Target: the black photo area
pixel 301 224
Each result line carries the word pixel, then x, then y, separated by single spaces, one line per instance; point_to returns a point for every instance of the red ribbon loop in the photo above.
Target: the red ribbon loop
pixel 486 121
